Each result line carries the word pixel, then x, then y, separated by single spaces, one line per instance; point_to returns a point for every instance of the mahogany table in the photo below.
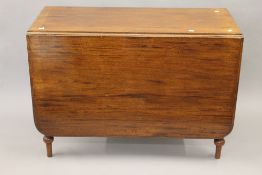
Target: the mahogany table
pixel 160 72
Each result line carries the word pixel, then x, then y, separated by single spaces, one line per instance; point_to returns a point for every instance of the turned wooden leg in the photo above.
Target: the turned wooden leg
pixel 219 143
pixel 48 141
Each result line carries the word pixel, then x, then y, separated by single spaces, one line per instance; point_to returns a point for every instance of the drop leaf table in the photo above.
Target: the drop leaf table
pixel 140 72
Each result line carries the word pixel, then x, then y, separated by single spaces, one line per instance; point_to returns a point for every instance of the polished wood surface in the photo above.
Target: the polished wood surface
pixel 145 78
pixel 134 86
pixel 135 20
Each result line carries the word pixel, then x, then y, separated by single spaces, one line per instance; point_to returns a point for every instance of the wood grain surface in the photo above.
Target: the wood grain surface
pixel 134 86
pixel 135 20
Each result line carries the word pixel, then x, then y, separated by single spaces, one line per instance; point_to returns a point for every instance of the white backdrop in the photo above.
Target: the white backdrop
pixel 21 147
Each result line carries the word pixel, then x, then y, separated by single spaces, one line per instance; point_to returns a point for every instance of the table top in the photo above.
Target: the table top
pixel 186 21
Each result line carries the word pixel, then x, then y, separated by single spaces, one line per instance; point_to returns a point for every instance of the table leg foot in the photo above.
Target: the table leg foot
pixel 219 143
pixel 48 141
